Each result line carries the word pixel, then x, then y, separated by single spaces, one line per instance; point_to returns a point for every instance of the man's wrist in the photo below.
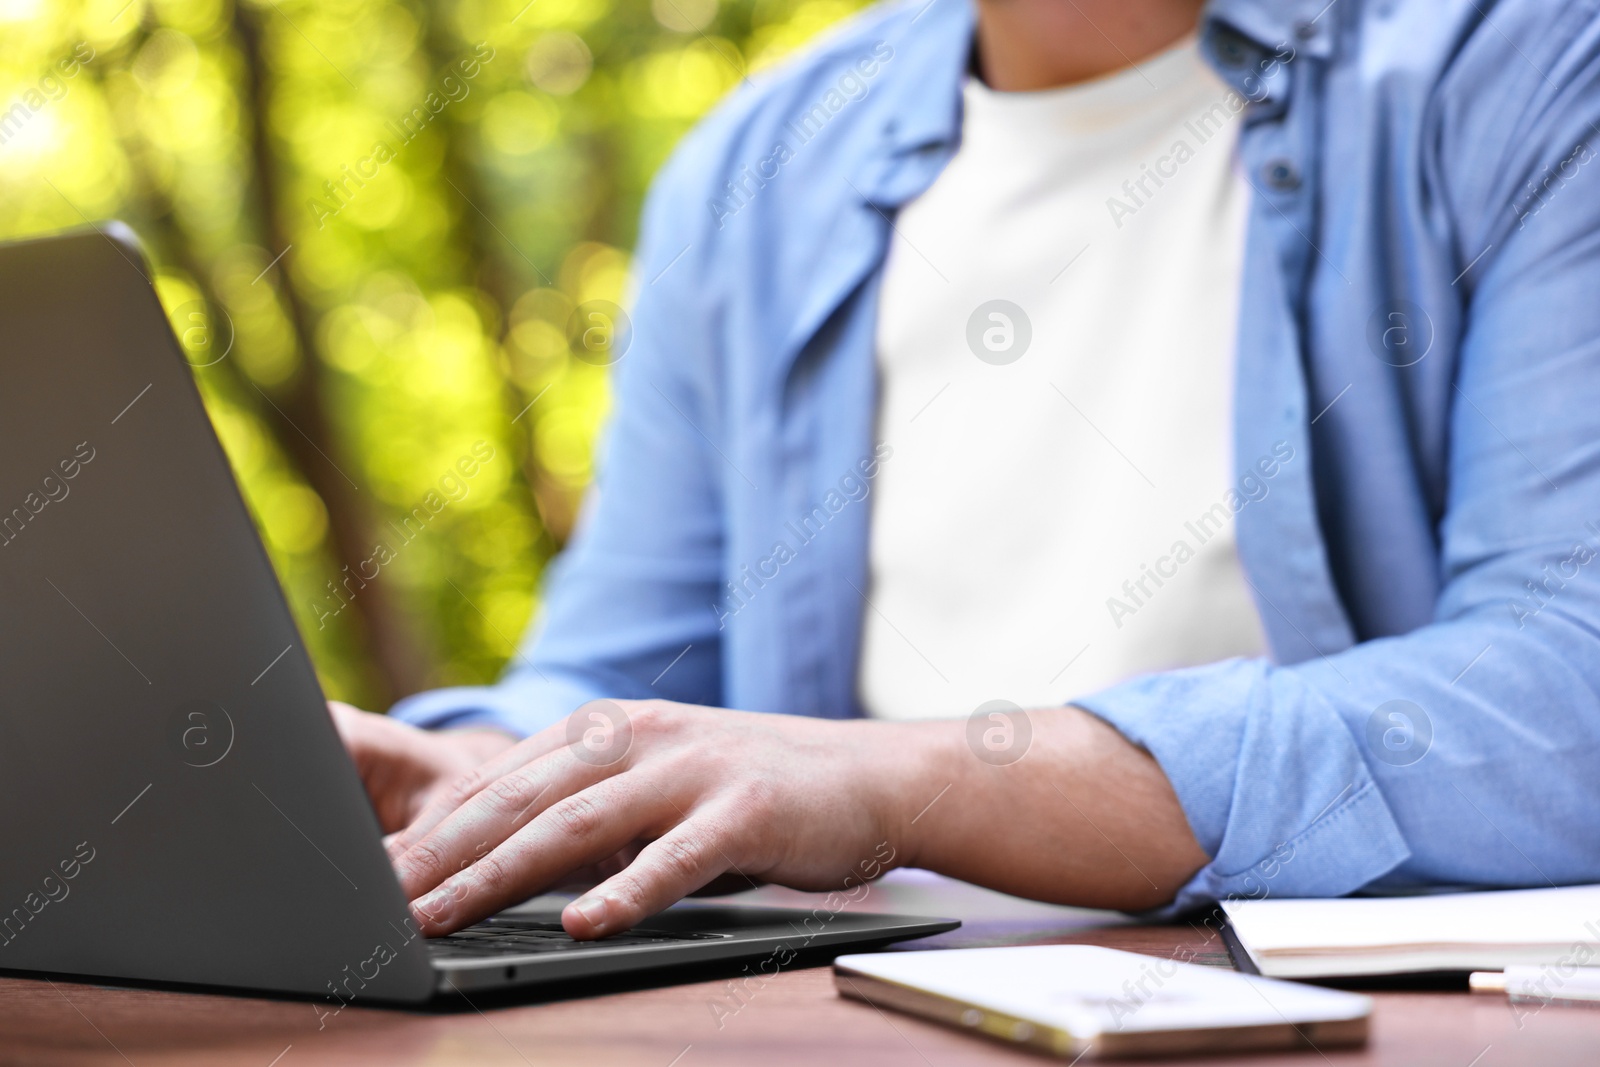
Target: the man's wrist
pixel 916 768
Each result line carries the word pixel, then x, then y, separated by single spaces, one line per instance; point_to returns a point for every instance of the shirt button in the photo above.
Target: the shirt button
pixel 1233 50
pixel 1282 175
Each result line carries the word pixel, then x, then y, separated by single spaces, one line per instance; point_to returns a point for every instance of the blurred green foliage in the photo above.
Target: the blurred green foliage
pixel 372 221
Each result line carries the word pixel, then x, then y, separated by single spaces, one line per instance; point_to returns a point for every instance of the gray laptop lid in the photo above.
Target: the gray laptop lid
pixel 175 802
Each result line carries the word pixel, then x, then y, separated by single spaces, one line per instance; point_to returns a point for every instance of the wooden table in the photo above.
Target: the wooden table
pixel 795 1019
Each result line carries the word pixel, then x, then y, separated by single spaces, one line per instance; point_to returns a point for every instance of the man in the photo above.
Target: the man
pixel 965 350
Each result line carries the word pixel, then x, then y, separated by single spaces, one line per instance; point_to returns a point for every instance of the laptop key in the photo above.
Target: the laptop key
pixel 511 936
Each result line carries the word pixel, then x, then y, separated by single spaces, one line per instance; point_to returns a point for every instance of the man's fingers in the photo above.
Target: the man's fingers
pixel 386 757
pixel 494 813
pixel 344 717
pixel 668 869
pixel 357 733
pixel 571 833
pixel 465 788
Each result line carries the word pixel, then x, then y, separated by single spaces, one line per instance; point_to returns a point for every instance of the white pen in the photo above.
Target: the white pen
pixel 1542 985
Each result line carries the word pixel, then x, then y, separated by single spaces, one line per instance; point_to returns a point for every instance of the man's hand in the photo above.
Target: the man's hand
pixel 403 767
pixel 657 800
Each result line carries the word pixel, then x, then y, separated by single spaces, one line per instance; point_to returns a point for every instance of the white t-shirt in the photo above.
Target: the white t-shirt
pixel 1054 451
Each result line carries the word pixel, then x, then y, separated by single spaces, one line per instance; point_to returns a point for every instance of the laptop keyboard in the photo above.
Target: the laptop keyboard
pixel 506 936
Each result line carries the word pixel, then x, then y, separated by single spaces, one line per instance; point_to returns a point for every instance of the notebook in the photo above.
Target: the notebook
pixel 1083 1001
pixel 1353 936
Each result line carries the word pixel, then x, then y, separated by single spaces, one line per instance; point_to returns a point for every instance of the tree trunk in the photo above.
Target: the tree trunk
pixel 395 656
pixel 487 250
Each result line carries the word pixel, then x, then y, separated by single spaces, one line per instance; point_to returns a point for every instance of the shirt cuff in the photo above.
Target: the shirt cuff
pixel 1273 784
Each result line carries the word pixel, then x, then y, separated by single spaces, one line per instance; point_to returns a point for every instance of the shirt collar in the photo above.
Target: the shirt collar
pixel 1265 27
pixel 926 109
pixel 1249 43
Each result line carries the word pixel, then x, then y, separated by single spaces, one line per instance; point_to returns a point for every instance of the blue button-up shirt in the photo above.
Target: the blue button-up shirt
pixel 1419 333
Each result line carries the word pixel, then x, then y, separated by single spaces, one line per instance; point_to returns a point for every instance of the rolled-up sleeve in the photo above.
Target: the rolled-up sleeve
pixel 1274 785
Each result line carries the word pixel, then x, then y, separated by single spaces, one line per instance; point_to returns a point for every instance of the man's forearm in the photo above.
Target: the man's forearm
pixel 1083 817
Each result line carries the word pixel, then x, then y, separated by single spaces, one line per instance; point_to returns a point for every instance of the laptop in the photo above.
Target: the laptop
pixel 176 805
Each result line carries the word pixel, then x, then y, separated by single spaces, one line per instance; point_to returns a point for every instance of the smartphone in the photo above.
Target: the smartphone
pixel 1086 1002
